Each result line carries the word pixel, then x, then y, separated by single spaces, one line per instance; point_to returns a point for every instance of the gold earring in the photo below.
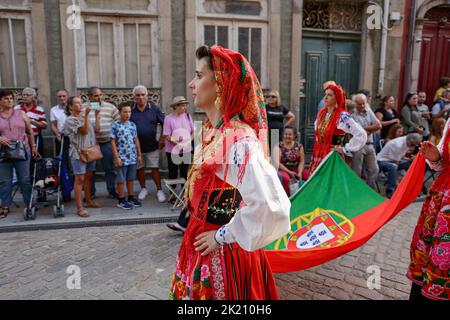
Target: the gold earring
pixel 218 102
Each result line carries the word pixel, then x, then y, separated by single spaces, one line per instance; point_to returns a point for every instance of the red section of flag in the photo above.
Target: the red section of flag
pixel 366 225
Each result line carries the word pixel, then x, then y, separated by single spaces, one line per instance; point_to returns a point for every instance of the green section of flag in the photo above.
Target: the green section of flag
pixel 334 186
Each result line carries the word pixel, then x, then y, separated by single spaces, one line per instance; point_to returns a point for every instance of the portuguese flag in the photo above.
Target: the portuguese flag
pixel 336 212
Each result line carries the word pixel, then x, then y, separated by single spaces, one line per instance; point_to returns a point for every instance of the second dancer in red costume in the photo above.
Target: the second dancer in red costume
pixel 332 123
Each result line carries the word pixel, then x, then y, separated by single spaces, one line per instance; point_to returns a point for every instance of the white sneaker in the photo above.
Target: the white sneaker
pixel 161 196
pixel 143 194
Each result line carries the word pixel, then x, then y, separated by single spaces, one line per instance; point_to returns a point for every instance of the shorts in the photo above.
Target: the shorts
pixel 79 167
pixel 126 173
pixel 150 160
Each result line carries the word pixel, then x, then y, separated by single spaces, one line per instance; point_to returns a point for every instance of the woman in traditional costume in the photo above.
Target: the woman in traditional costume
pixel 430 248
pixel 235 200
pixel 332 123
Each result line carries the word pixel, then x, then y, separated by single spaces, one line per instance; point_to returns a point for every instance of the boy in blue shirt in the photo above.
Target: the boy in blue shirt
pixel 127 154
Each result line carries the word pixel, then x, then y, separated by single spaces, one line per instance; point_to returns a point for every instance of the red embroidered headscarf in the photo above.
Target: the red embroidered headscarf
pixel 323 140
pixel 240 91
pixel 333 123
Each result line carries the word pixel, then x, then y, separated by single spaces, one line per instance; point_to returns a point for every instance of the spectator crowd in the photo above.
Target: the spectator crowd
pixel 124 139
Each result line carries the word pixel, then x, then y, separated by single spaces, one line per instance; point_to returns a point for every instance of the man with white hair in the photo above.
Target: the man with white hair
pixel 35 113
pixel 366 157
pixel 146 115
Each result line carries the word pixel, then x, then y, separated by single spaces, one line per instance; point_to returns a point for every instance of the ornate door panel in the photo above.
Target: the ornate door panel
pixel 330 51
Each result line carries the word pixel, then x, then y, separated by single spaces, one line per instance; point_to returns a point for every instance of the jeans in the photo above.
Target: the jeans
pixel 391 168
pixel 22 169
pixel 109 167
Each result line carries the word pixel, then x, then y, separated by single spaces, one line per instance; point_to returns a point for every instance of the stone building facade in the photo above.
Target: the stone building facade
pixel 294 46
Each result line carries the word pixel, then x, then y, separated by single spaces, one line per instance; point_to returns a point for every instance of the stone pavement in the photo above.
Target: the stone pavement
pixel 151 210
pixel 136 262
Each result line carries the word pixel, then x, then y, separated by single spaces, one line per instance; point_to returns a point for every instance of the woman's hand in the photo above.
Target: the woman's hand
pixel 430 151
pixel 340 151
pixel 33 151
pixel 4 141
pixel 206 243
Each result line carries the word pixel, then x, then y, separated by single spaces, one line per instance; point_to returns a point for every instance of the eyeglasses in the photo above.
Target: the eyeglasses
pixel 273 97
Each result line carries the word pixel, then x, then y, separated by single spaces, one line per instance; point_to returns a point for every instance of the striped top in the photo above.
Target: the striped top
pixel 108 115
pixel 35 113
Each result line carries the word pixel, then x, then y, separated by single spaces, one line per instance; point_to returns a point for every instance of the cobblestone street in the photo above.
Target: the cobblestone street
pixel 135 262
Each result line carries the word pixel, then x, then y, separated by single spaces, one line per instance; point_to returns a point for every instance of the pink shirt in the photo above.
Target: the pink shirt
pixel 180 129
pixel 14 128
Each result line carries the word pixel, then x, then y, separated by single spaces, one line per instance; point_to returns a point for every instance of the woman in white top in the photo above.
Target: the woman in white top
pixel 236 203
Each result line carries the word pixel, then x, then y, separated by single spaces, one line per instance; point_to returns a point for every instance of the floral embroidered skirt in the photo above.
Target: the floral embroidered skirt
pixel 430 247
pixel 229 273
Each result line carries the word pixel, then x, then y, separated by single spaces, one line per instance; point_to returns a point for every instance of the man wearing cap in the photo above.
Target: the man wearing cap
pixel 178 132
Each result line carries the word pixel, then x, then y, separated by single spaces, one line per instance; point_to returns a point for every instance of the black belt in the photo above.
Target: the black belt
pixel 224 210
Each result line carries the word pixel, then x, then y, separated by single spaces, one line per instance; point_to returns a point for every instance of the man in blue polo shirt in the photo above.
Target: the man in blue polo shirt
pixel 146 115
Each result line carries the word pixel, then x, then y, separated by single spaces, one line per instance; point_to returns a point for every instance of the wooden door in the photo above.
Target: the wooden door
pixel 435 57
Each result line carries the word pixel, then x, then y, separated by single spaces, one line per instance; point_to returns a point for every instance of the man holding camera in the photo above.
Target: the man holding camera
pixel 104 116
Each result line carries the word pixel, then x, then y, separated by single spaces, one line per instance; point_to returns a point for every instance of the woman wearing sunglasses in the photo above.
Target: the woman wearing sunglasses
pixel 277 114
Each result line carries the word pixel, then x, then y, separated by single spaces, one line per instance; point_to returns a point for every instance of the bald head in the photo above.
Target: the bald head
pixel 361 101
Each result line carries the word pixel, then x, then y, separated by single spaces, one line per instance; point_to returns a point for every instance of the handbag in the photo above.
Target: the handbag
pixel 15 151
pixel 90 154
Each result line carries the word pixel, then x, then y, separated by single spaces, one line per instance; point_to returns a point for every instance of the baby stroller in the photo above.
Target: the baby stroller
pixel 46 185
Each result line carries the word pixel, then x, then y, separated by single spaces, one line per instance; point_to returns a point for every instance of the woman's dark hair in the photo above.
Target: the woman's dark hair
pixel 393 131
pixel 69 104
pixel 408 97
pixel 444 81
pixel 293 130
pixel 205 53
pixel 435 129
pixel 6 93
pixel 385 99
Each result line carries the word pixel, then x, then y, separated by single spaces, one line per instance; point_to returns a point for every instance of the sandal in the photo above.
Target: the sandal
pixel 83 213
pixel 175 227
pixel 4 212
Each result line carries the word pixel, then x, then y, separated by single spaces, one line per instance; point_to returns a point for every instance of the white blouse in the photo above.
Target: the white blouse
pixel 266 214
pixel 350 126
